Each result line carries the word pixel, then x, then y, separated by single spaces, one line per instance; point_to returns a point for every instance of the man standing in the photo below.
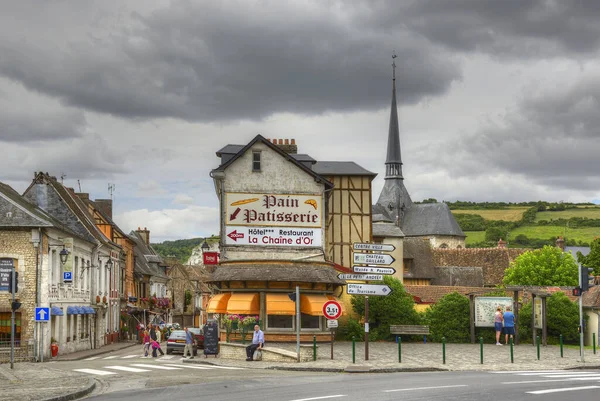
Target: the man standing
pixel 258 340
pixel 509 324
pixel 152 332
pixel 189 341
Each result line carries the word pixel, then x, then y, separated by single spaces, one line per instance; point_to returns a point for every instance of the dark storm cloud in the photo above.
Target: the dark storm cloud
pixel 217 61
pixel 521 28
pixel 32 125
pixel 551 138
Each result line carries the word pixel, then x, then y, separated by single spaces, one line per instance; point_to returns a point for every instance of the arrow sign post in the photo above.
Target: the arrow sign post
pixel 374 270
pixel 373 259
pixel 373 247
pixel 363 277
pixel 369 289
pixel 42 314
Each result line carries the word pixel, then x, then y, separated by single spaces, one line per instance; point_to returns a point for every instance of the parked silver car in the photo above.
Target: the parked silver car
pixel 176 343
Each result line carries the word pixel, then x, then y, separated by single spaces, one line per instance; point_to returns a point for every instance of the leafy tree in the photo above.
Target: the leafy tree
pixel 449 318
pixel 396 308
pixel 494 233
pixel 592 260
pixel 546 266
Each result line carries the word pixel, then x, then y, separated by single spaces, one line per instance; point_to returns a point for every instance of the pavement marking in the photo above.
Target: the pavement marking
pixel 95 372
pixel 549 374
pixel 92 358
pixel 191 367
pixel 166 357
pixel 425 388
pixel 127 369
pixel 131 356
pixel 555 380
pixel 227 367
pixel 529 371
pixel 111 357
pixel 142 365
pixel 570 375
pixel 321 398
pixel 558 390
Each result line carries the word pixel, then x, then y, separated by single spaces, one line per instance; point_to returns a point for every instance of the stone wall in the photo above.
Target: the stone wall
pixel 238 351
pixel 493 261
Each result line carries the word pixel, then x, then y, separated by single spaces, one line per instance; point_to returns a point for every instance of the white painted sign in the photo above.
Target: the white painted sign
pixel 373 259
pixel 332 324
pixel 373 247
pixel 273 210
pixel 363 277
pixel 273 236
pixel 373 269
pixel 485 308
pixel 368 289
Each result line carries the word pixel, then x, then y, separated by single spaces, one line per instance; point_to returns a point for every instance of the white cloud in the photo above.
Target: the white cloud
pixel 183 199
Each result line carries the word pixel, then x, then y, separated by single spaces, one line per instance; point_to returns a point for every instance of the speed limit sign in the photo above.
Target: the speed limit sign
pixel 332 310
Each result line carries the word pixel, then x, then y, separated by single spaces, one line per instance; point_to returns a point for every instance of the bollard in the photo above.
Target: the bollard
pixel 399 349
pixel 314 348
pixel 353 349
pixel 481 349
pixel 537 342
pixel 560 338
pixel 512 355
pixel 594 342
pixel 444 350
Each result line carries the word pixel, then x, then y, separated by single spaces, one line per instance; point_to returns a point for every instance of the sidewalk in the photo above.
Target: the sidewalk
pixel 36 381
pixel 40 381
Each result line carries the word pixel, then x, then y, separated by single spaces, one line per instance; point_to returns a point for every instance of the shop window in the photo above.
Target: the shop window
pixel 255 161
pixel 5 318
pixel 309 321
pixel 280 322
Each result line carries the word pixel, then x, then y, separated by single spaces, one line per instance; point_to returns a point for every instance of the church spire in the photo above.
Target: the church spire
pixel 393 162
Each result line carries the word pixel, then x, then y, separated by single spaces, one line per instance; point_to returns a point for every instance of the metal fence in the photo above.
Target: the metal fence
pixel 23 352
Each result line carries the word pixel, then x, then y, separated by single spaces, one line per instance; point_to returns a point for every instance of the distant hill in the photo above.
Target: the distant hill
pixel 180 249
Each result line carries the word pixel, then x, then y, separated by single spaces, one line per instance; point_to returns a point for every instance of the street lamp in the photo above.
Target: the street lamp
pixel 64 255
pixel 109 264
pixel 205 247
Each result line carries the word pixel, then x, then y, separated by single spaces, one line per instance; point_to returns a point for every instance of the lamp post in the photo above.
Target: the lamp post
pixel 64 255
pixel 205 247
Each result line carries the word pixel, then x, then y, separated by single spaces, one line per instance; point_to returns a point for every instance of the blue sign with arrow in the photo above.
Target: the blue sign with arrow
pixel 42 314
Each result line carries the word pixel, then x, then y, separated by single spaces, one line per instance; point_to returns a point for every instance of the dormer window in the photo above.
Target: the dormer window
pixel 255 161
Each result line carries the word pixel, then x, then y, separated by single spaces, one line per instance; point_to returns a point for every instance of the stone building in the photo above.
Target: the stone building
pixel 189 294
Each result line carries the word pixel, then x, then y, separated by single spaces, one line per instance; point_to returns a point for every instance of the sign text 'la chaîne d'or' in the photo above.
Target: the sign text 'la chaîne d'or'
pixel 282 210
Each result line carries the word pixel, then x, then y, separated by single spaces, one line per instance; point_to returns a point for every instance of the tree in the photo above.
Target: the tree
pixel 396 308
pixel 494 233
pixel 546 266
pixel 592 259
pixel 449 318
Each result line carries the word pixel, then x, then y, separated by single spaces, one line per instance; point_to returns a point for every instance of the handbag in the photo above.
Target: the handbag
pixel 257 355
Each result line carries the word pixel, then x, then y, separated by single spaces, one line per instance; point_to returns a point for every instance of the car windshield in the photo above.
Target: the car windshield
pixel 178 334
pixel 195 330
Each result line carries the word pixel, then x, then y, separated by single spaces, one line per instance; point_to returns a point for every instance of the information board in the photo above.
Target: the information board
pixel 211 338
pixel 6 266
pixel 485 308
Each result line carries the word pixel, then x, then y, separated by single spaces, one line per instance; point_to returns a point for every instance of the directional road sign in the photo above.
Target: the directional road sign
pixel 373 259
pixel 67 277
pixel 42 314
pixel 332 309
pixel 364 277
pixel 373 269
pixel 373 247
pixel 368 289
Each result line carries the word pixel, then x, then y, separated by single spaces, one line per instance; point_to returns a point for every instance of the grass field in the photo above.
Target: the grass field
pixel 586 234
pixel 510 214
pixel 589 212
pixel 474 236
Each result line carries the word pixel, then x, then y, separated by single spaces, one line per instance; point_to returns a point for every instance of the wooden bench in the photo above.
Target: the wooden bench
pixel 411 330
pixel 269 354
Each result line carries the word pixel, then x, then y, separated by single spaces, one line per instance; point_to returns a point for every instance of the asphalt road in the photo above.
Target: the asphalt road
pixel 125 375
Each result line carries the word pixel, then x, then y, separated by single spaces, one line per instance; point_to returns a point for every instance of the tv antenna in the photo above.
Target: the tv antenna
pixel 62 178
pixel 111 190
pixel 79 184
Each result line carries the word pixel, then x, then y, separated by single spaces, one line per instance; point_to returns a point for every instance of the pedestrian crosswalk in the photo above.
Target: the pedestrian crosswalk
pixel 164 358
pixel 147 367
pixel 589 380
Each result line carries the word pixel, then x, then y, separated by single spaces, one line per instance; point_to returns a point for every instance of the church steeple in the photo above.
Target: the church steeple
pixel 393 162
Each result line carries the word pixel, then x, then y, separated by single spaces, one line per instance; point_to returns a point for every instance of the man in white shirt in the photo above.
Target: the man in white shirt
pixel 258 340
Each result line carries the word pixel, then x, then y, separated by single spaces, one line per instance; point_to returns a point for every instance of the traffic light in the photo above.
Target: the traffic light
pixel 292 296
pixel 577 291
pixel 15 305
pixel 10 281
pixel 585 273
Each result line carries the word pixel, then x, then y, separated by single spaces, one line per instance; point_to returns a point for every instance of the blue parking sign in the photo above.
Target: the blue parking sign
pixel 67 277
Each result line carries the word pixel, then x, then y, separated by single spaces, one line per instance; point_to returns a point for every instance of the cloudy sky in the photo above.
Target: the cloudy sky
pixel 498 100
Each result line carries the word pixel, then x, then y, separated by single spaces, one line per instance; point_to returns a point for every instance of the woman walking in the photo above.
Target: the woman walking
pixel 146 342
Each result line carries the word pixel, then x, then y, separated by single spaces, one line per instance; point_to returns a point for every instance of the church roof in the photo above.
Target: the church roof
pixel 387 230
pixel 430 219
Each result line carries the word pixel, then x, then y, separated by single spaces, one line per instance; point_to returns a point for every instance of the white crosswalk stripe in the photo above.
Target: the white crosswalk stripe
pixel 553 377
pixel 167 357
pixel 95 372
pixel 92 358
pixel 143 365
pixel 110 357
pixel 127 369
pixel 131 356
pixel 191 367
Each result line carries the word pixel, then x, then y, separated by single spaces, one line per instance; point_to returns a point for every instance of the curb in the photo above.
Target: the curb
pixel 75 395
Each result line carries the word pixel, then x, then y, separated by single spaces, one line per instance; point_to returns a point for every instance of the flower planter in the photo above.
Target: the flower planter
pixel 97 299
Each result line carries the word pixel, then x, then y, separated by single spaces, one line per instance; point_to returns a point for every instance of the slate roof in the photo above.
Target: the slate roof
pixel 340 168
pixel 147 261
pixel 421 253
pixel 21 212
pixel 585 250
pixel 430 219
pixel 386 230
pixel 228 151
pixel 591 298
pixel 263 270
pixel 433 293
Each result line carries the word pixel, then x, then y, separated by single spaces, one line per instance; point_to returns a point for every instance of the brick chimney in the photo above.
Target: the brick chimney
pixel 145 234
pixel 501 244
pixel 560 243
pixel 105 206
pixel 81 195
pixel 287 145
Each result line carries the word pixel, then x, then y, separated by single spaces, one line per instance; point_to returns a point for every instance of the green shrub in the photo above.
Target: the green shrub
pixel 352 328
pixel 449 318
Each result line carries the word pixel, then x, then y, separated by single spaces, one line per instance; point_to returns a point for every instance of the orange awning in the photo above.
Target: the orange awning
pixel 312 304
pixel 280 304
pixel 244 303
pixel 218 303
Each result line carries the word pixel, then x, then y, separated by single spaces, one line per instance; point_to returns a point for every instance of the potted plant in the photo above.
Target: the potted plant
pixel 97 299
pixel 231 323
pixel 104 299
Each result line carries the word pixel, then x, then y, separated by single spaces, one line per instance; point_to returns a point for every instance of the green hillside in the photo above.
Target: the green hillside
pixel 180 249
